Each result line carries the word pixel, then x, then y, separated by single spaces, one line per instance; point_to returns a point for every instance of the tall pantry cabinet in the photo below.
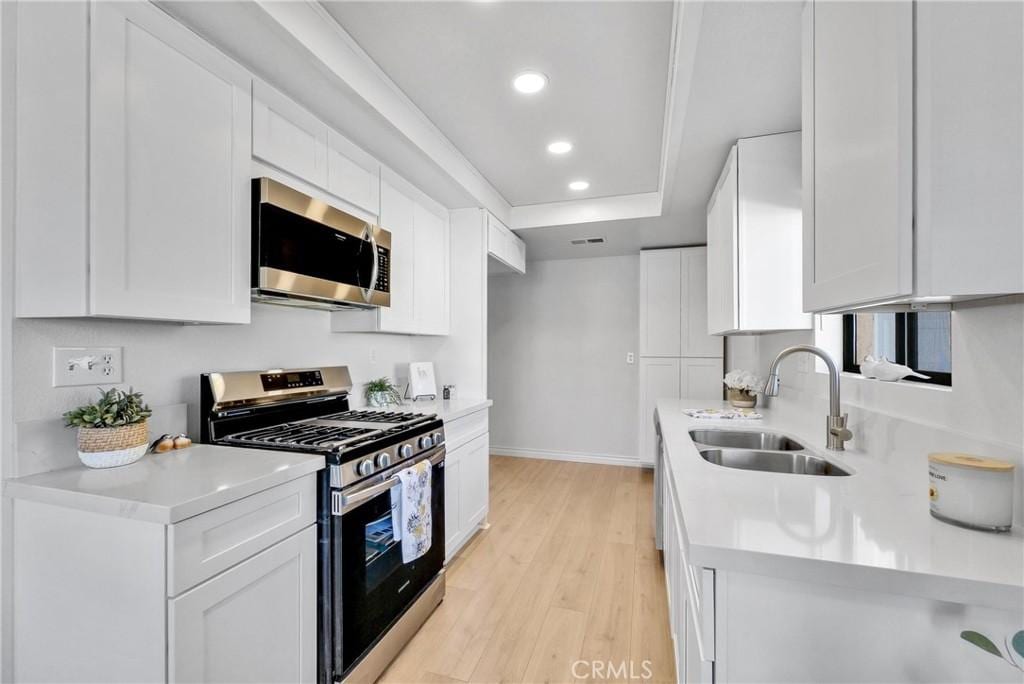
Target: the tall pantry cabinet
pixel 678 359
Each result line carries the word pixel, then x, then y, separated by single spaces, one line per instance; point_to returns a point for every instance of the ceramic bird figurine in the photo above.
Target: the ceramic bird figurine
pixel 887 371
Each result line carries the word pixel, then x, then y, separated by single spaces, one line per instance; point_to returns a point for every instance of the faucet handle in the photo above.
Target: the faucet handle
pixel 837 427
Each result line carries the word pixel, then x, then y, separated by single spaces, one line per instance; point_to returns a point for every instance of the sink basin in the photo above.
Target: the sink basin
pixel 772 461
pixel 742 439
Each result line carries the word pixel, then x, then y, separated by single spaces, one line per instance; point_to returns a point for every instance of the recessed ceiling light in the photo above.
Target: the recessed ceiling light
pixel 530 82
pixel 579 185
pixel 560 147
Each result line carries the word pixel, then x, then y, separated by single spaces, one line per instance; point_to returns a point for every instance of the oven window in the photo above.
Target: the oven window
pixel 383 553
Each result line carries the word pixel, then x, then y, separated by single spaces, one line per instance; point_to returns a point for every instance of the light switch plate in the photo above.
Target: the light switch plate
pixel 74 366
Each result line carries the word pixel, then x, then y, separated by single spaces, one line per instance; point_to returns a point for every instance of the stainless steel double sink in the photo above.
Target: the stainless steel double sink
pixel 764 451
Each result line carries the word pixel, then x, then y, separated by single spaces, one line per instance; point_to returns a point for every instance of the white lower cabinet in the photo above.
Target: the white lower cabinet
pixel 231 628
pixel 466 479
pixel 229 595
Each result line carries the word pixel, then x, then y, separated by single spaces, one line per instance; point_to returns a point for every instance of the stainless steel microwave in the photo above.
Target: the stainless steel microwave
pixel 308 253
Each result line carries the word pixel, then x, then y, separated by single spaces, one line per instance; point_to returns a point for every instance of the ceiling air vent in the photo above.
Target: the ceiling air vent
pixel 588 241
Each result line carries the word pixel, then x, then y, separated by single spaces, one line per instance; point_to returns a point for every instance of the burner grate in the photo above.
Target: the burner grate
pixel 376 416
pixel 302 435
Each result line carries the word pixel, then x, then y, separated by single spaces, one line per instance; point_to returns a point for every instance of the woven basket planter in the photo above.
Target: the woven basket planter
pixel 113 446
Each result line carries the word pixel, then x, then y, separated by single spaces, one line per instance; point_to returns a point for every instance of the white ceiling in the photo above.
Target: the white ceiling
pixel 746 82
pixel 608 67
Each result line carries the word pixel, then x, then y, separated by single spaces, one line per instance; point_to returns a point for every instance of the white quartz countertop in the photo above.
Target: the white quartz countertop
pixel 871 530
pixel 169 487
pixel 452 409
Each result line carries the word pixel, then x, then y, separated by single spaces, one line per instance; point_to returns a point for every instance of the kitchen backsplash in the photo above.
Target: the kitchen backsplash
pixel 164 360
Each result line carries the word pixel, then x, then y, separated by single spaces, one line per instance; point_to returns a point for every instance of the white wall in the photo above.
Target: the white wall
pixel 557 372
pixel 982 413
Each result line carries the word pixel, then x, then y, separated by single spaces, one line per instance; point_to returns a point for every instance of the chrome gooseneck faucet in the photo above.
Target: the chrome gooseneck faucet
pixel 837 433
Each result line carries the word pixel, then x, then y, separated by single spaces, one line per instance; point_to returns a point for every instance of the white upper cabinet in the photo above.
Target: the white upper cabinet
pixel 420 274
pixel 164 174
pixel 754 239
pixel 505 246
pixel 287 136
pixel 867 142
pixel 673 304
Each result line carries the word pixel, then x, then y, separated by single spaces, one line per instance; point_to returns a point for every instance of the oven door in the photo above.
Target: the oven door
pixel 375 585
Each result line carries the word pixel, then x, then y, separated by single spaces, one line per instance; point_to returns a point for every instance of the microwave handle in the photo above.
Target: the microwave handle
pixel 375 270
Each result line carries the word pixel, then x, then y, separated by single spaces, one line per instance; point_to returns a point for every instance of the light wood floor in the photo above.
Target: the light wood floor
pixel 567 572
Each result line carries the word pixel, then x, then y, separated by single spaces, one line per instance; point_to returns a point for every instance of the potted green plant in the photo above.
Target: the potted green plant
pixel 382 392
pixel 113 431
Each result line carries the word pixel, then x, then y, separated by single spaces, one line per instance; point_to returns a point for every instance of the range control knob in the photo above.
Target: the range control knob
pixel 426 442
pixel 383 459
pixel 365 468
pixel 405 451
pixel 438 438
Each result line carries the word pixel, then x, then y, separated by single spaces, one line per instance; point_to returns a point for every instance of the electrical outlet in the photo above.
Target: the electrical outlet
pixel 630 358
pixel 86 366
pixel 373 356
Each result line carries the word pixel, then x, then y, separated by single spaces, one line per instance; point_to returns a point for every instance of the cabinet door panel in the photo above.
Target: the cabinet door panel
pixel 862 235
pixel 660 302
pixel 51 112
pixel 721 266
pixel 170 130
pixel 769 283
pixel 701 379
pixel 397 214
pixel 970 148
pixel 253 623
pixel 659 379
pixel 431 272
pixel 452 504
pixel 694 318
pixel 287 136
pixel 349 180
pixel 474 482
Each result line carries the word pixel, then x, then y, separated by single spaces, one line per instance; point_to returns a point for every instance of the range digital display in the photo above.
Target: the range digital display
pixel 281 381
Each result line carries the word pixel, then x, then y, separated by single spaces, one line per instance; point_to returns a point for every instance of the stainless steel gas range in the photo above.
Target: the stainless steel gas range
pixel 370 602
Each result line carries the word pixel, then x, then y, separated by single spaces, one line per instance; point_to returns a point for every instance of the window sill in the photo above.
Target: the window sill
pixel 859 379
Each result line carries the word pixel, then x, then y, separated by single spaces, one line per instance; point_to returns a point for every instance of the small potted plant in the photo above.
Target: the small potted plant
pixel 382 392
pixel 741 386
pixel 112 431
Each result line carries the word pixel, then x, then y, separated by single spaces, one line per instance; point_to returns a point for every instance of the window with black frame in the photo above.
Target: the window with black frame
pixel 921 340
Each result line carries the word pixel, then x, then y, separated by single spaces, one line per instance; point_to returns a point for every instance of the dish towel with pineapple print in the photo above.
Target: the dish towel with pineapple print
pixel 410 502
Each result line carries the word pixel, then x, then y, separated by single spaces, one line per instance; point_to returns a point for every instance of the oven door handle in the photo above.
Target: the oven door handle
pixel 340 503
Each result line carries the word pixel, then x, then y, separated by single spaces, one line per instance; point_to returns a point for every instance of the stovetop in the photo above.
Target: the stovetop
pixel 332 432
pixel 307 410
